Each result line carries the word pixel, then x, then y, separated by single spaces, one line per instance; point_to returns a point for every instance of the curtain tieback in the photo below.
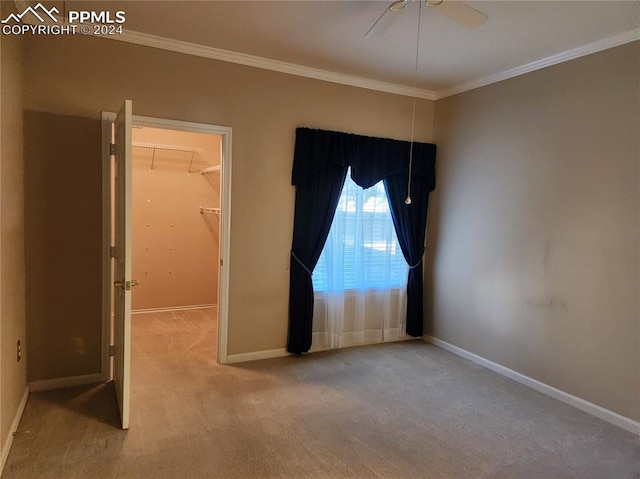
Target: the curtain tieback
pixel 416 265
pixel 304 266
pixel 424 248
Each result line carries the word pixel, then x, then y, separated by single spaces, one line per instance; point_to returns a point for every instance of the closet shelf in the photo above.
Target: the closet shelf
pixel 215 211
pixel 158 146
pixel 211 168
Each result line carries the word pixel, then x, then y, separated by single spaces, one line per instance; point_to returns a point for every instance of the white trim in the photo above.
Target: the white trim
pixel 66 382
pixel 14 427
pixel 586 406
pixel 169 124
pixel 174 308
pixel 321 349
pixel 194 49
pixel 280 353
pixel 254 356
pixel 105 360
pixel 225 237
pixel 212 53
pixel 225 249
pixel 600 45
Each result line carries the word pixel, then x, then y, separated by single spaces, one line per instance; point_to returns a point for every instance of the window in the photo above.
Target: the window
pixel 362 250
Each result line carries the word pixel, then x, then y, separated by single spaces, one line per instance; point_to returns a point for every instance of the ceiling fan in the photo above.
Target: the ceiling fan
pixel 459 12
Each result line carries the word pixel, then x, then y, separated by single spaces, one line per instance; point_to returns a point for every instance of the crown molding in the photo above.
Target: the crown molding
pixel 213 53
pixel 600 45
pixel 194 49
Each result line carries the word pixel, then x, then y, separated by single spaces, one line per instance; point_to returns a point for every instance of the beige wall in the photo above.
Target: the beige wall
pixel 12 271
pixel 534 226
pixel 175 247
pixel 80 76
pixel 63 244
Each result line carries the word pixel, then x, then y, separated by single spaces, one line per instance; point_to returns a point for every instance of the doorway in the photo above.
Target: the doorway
pixel 175 253
pixel 175 219
pixel 156 160
pixel 175 203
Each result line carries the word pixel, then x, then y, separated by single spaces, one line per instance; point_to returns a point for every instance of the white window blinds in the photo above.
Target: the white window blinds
pixel 362 250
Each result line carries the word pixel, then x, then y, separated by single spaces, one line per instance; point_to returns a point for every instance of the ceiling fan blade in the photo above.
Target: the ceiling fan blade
pixel 459 12
pixel 385 20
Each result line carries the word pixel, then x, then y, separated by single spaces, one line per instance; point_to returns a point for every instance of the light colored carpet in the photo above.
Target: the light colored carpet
pixel 403 410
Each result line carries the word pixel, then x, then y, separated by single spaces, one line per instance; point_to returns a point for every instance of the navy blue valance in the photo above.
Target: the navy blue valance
pixel 371 159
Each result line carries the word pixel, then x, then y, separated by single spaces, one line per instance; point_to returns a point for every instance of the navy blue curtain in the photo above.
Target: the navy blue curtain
pixel 410 222
pixel 320 163
pixel 316 201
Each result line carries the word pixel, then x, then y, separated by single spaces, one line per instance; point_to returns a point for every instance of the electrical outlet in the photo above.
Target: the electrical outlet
pixel 19 351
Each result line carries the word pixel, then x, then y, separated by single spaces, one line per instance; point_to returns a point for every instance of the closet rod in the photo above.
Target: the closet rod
pixel 158 146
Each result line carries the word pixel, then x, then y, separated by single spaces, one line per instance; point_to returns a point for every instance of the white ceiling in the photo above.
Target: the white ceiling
pixel 329 35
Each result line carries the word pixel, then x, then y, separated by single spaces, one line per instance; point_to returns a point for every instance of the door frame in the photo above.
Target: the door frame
pixel 225 215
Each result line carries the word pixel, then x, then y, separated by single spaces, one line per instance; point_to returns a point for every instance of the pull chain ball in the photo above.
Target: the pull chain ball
pixel 407 200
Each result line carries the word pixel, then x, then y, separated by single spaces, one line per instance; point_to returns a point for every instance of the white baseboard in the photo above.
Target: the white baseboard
pixel 14 427
pixel 268 354
pixel 175 308
pixel 57 383
pixel 320 349
pixel 279 353
pixel 586 406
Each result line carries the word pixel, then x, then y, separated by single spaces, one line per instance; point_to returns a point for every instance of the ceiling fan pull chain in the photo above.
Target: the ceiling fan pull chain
pixel 407 201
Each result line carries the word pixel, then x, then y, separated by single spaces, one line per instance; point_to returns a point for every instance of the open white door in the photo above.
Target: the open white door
pixel 122 261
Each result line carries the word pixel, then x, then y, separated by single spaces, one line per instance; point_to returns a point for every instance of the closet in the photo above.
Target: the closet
pixel 176 184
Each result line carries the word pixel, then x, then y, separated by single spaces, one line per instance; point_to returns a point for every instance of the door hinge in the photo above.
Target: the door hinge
pixel 112 350
pixel 112 251
pixel 112 149
pixel 221 262
pixel 126 285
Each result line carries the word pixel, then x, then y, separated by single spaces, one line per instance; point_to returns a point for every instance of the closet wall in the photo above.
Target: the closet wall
pixel 175 245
